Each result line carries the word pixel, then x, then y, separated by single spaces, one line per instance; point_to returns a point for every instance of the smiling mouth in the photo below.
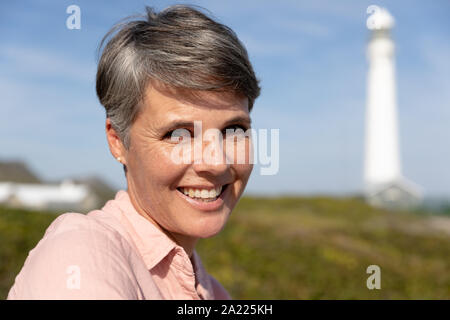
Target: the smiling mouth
pixel 203 195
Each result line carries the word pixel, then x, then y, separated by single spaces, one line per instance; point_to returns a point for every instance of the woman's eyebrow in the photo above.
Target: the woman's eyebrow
pixel 238 119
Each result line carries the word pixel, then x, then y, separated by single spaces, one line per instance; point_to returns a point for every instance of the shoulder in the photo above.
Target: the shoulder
pixel 92 228
pixel 79 257
pixel 83 235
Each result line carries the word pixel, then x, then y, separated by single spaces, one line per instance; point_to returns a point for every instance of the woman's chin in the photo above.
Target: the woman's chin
pixel 199 223
pixel 208 228
pixel 209 233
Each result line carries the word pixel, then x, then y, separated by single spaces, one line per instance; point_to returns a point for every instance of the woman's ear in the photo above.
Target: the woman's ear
pixel 116 146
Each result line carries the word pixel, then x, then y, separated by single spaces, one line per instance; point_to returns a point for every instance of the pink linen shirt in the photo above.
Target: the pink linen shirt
pixel 112 253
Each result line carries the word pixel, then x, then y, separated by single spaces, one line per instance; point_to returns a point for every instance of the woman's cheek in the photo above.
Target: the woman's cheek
pixel 157 158
pixel 165 167
pixel 246 171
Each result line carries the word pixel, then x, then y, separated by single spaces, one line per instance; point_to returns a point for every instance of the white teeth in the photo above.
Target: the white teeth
pixel 202 193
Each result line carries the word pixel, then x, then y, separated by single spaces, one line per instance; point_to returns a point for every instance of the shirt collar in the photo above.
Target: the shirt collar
pixel 153 244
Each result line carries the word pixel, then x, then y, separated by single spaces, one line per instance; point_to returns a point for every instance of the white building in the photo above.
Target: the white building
pixel 65 196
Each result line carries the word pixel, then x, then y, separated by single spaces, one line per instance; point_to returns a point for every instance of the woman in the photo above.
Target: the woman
pixel 160 79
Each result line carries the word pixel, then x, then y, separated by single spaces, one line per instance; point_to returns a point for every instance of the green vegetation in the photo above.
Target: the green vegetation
pixel 295 248
pixel 20 231
pixel 319 248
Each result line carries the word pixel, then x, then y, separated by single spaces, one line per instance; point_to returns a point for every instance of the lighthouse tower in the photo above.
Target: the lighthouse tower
pixel 384 183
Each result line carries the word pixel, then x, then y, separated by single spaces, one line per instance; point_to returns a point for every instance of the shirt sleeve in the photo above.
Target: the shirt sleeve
pixel 77 259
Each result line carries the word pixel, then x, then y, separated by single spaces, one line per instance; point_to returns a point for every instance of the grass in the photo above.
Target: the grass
pixel 20 231
pixel 294 248
pixel 319 248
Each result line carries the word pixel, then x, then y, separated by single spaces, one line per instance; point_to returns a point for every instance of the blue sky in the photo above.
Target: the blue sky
pixel 309 55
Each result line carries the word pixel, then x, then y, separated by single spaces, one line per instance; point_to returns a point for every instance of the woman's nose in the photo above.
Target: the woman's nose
pixel 210 157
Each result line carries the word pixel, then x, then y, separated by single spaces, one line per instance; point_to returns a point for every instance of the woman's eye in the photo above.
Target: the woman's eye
pixel 182 134
pixel 234 128
pixel 178 135
pixel 168 135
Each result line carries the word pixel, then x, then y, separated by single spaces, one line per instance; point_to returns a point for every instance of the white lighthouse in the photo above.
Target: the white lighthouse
pixel 384 183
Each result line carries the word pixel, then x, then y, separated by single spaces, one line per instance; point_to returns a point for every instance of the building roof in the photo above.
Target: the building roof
pixel 401 183
pixel 17 171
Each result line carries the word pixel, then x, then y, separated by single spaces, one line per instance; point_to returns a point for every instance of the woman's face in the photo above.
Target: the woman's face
pixel 168 191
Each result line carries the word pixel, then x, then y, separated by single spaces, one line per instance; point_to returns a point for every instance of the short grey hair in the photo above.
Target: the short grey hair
pixel 180 47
